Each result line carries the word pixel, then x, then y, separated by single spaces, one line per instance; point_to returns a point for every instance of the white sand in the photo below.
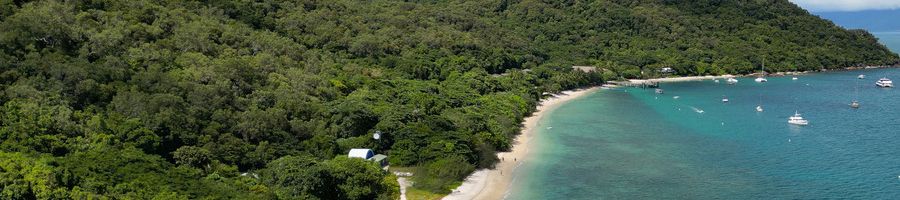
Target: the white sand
pixel 494 183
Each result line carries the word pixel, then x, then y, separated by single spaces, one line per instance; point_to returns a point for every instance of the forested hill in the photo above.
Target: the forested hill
pixel 238 99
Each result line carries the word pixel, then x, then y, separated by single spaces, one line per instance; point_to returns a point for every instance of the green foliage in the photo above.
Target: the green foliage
pixel 175 99
pixel 338 178
pixel 441 174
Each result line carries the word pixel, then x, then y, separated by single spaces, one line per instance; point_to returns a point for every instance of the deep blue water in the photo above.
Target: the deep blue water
pixel 634 144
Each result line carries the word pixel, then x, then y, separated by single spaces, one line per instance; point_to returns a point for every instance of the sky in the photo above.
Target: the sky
pixel 847 5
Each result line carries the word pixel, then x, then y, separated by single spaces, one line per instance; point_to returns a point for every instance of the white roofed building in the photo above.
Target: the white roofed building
pixel 361 153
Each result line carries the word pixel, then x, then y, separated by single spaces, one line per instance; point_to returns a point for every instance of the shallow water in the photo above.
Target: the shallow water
pixel 635 144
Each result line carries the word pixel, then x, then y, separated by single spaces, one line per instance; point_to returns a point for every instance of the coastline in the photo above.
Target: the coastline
pixel 494 183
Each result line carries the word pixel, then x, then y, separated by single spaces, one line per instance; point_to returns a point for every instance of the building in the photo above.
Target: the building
pixel 381 160
pixel 368 154
pixel 361 153
pixel 666 70
pixel 586 69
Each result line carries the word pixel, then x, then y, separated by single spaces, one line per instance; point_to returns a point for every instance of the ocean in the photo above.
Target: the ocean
pixel 889 39
pixel 630 143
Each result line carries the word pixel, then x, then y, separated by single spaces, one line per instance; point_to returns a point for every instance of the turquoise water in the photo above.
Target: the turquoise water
pixel 634 144
pixel 889 39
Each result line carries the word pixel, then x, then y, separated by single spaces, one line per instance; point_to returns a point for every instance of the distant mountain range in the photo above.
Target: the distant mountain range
pixel 871 20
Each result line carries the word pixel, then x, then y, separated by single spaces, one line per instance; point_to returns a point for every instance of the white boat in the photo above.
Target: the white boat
pixel 861 76
pixel 659 91
pixel 854 104
pixel 794 78
pixel 724 99
pixel 716 80
pixel 731 81
pixel 759 109
pixel 762 73
pixel 797 120
pixel 884 82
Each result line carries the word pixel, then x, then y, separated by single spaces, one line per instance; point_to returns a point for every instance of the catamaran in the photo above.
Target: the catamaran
pixel 797 119
pixel 884 82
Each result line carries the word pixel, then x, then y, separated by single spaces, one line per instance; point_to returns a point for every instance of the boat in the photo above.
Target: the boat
pixel 724 99
pixel 659 91
pixel 855 103
pixel 762 74
pixel 794 78
pixel 759 105
pixel 861 76
pixel 797 119
pixel 731 81
pixel 716 80
pixel 884 82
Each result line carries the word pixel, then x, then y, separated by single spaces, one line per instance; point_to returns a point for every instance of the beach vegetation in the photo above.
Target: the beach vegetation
pixel 228 99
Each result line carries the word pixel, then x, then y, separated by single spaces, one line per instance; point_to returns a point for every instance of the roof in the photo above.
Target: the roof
pixel 379 157
pixel 361 153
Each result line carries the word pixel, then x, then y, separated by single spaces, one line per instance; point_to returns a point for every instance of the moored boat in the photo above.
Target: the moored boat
pixel 731 81
pixel 797 119
pixel 884 82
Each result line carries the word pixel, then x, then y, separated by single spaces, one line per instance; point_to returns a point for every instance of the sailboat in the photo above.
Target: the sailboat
pixel 759 106
pixel 855 103
pixel 762 74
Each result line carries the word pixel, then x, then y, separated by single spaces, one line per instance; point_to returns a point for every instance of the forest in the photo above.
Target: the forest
pixel 262 99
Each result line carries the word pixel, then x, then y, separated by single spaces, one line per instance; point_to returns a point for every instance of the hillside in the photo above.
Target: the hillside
pixel 236 99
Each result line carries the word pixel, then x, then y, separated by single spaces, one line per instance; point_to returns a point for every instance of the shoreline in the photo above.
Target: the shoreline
pixel 494 183
pixel 773 74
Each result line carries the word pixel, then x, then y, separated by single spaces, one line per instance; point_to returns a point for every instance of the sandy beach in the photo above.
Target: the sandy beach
pixel 494 183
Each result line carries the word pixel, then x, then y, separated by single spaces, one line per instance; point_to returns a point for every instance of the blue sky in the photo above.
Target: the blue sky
pixel 847 5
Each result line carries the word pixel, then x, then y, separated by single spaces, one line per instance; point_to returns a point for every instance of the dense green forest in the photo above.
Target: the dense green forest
pixel 261 99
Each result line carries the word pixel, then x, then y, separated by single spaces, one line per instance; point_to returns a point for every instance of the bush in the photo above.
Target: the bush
pixel 440 175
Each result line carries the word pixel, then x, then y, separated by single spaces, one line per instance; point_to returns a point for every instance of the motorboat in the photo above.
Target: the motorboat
pixel 760 79
pixel 797 120
pixel 861 76
pixel 759 108
pixel 731 81
pixel 884 82
pixel 716 80
pixel 854 104
pixel 659 91
pixel 794 78
pixel 724 99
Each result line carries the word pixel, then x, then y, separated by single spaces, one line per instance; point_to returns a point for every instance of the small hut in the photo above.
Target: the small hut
pixel 361 153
